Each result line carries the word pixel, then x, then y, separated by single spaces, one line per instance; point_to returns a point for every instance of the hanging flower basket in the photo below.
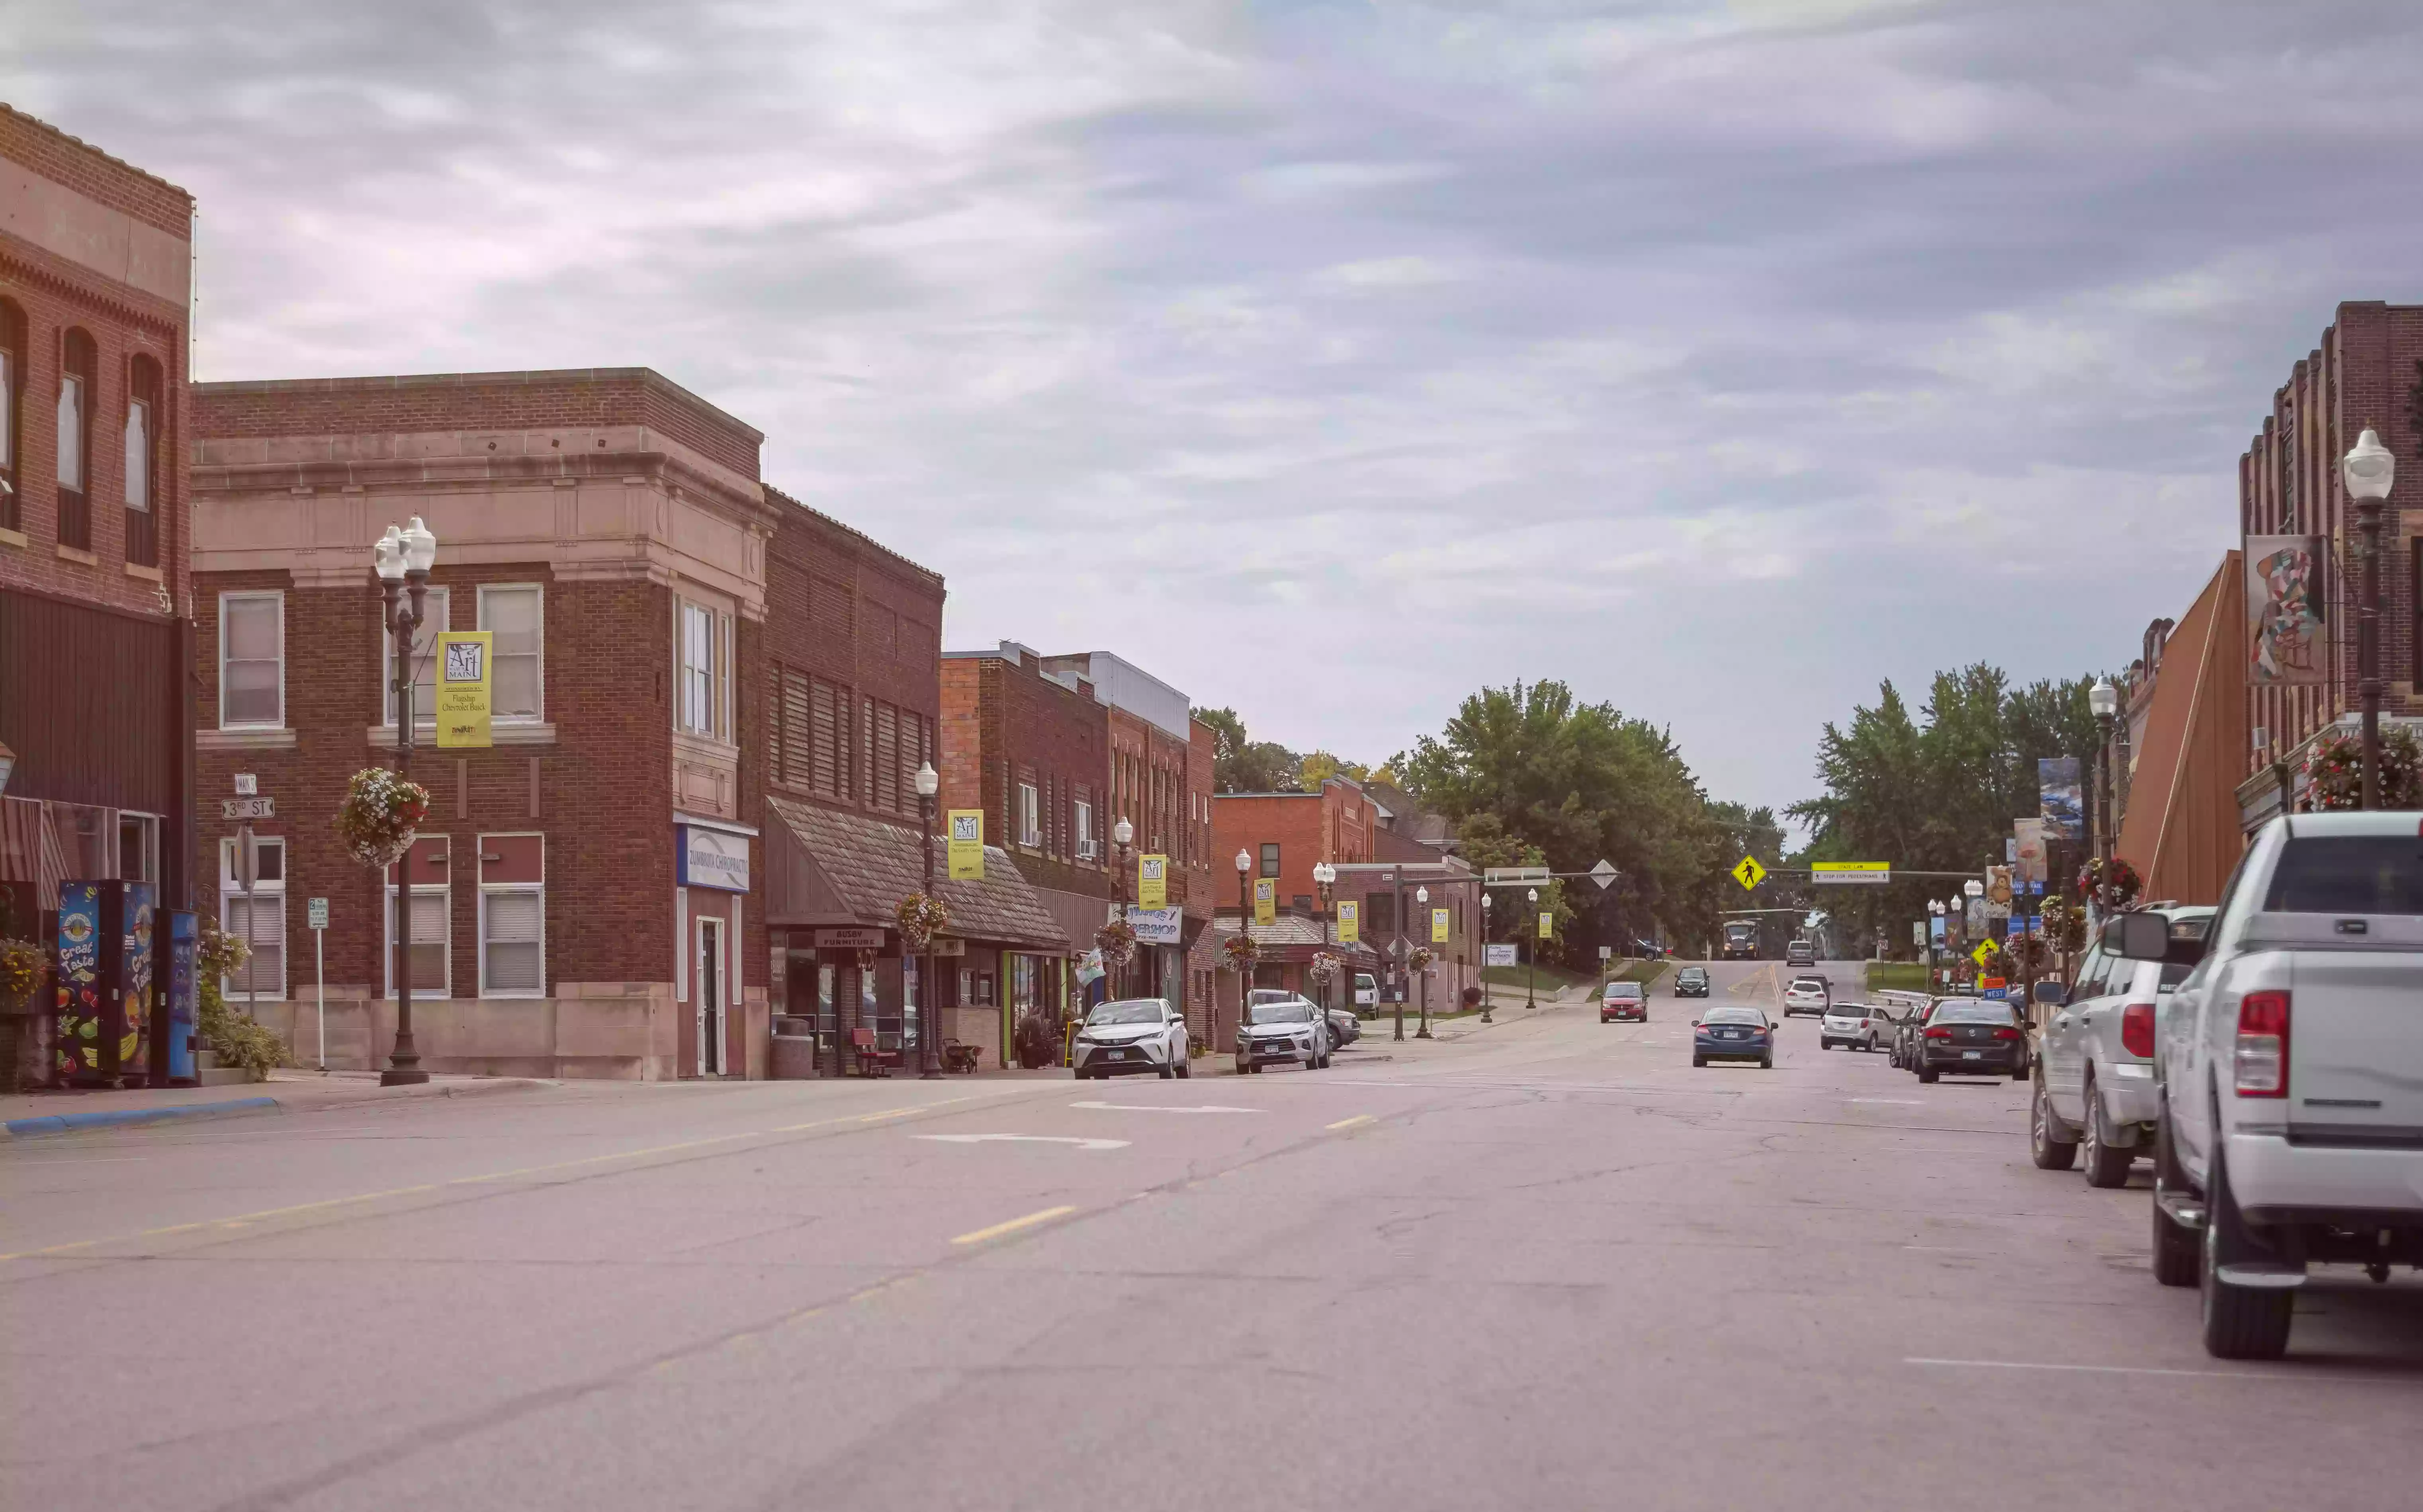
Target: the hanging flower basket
pixel 21 972
pixel 1241 951
pixel 2113 884
pixel 922 916
pixel 2334 771
pixel 380 815
pixel 2027 955
pixel 2064 924
pixel 1423 959
pixel 1117 940
pixel 1327 967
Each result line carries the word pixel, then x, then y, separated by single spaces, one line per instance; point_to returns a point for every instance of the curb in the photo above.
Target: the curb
pixel 118 1116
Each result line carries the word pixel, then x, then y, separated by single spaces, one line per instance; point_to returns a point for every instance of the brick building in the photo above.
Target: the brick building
pixel 1283 835
pixel 96 605
pixel 854 703
pixel 2363 373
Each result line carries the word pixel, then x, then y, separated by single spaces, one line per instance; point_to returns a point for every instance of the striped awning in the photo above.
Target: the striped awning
pixel 30 849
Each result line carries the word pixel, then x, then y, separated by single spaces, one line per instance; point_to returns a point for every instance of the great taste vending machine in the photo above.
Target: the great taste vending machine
pixel 104 983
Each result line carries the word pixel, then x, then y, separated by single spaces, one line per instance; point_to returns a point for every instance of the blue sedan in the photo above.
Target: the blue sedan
pixel 1733 1034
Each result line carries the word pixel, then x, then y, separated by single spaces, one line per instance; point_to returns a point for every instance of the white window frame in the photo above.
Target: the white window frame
pixel 273 596
pixel 72 429
pixel 488 889
pixel 8 408
pixel 1085 829
pixel 148 824
pixel 137 448
pixel 444 986
pixel 436 614
pixel 265 895
pixel 538 591
pixel 1030 814
pixel 696 693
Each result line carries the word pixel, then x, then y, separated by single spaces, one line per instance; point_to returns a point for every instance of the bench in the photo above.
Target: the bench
pixel 870 1061
pixel 958 1057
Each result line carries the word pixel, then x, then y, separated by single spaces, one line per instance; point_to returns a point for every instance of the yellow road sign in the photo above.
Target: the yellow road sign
pixel 1985 948
pixel 1750 873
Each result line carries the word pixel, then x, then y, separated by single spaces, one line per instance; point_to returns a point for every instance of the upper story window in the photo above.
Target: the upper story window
pixel 1270 858
pixel 701 666
pixel 76 388
pixel 252 660
pixel 1084 830
pixel 142 471
pixel 1030 814
pixel 12 393
pixel 435 609
pixel 515 615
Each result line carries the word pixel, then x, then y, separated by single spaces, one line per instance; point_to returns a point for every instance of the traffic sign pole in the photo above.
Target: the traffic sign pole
pixel 318 918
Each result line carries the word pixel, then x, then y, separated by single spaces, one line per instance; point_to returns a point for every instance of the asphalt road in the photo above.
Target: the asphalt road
pixel 1547 1266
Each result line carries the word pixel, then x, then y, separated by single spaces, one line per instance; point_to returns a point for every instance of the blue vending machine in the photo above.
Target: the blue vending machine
pixel 178 1027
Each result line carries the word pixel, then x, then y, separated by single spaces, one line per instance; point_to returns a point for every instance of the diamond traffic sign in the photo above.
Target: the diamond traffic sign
pixel 1984 951
pixel 1750 873
pixel 1602 874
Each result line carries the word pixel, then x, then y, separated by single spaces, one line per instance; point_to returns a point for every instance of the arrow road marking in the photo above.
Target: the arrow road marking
pixel 1022 1139
pixel 1155 1108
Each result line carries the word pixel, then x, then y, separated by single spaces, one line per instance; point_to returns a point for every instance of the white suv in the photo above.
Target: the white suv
pixel 2095 1064
pixel 1854 1027
pixel 1133 1035
pixel 1290 1031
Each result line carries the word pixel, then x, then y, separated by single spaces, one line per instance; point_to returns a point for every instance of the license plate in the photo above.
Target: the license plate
pixel 1973 1055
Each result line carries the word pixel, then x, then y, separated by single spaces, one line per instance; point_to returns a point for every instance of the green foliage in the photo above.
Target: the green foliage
pixel 1897 975
pixel 1243 765
pixel 236 1040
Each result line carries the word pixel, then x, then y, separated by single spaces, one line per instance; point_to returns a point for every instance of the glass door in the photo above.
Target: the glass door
pixel 710 981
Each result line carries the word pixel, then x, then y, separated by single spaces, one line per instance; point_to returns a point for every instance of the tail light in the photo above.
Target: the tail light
pixel 2137 1031
pixel 2007 1034
pixel 1939 1032
pixel 2262 1057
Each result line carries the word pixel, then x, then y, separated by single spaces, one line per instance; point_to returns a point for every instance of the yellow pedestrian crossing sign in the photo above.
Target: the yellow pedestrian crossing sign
pixel 1750 873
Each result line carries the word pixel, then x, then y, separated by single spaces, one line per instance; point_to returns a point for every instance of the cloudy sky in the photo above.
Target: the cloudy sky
pixel 1334 358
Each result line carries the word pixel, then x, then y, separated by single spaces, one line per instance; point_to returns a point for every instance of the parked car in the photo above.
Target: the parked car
pixel 1692 981
pixel 1622 1000
pixel 2094 1087
pixel 2289 1067
pixel 1807 994
pixel 1367 991
pixel 1344 1027
pixel 1971 1037
pixel 1855 1026
pixel 1908 1027
pixel 1800 953
pixel 1277 1032
pixel 1734 1033
pixel 1129 1036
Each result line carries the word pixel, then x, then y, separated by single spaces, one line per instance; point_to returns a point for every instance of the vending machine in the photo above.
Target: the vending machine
pixel 176 1028
pixel 104 995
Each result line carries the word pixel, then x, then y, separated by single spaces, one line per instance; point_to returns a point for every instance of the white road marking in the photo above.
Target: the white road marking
pixel 1155 1108
pixel 1022 1139
pixel 2199 1375
pixel 1895 1102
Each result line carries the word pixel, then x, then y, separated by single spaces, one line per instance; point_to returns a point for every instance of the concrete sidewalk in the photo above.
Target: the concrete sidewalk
pixel 33 1114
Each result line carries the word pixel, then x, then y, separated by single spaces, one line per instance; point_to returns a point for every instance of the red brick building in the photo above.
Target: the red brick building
pixel 2363 373
pixel 1284 836
pixel 96 605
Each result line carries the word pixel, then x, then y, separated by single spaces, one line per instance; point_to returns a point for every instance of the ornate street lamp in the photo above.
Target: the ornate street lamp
pixel 402 559
pixel 2368 469
pixel 930 1053
pixel 1244 925
pixel 2104 701
pixel 1532 928
pixel 1324 877
pixel 1486 1001
pixel 1121 834
pixel 1422 898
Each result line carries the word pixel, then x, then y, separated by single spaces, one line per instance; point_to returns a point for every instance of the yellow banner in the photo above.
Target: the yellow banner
pixel 1439 926
pixel 462 681
pixel 1266 900
pixel 967 844
pixel 1548 926
pixel 1152 882
pixel 1350 922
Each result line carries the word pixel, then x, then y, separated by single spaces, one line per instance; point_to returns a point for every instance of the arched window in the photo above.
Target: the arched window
pixel 143 418
pixel 12 403
pixel 77 389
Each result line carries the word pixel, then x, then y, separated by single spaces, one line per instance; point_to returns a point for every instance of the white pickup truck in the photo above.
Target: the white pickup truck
pixel 2291 1072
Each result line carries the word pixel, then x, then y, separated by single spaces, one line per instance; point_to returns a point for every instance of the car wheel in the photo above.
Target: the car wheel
pixel 2046 1146
pixel 2106 1166
pixel 1168 1073
pixel 1699 1060
pixel 1186 1069
pixel 1928 1075
pixel 2239 1322
pixel 1767 1064
pixel 1244 1067
pixel 2178 1248
pixel 1870 1047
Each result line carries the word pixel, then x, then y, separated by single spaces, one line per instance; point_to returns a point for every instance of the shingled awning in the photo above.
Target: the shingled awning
pixel 828 866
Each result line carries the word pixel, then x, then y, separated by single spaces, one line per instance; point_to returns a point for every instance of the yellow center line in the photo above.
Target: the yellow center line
pixel 1357 1121
pixel 1029 1221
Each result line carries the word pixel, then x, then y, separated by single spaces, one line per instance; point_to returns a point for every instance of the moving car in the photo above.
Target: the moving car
pixel 1622 1000
pixel 1131 1035
pixel 1692 981
pixel 1800 953
pixel 1345 1027
pixel 1734 1033
pixel 2290 1066
pixel 1289 1030
pixel 1855 1026
pixel 1971 1037
pixel 1807 994
pixel 1741 940
pixel 2094 1061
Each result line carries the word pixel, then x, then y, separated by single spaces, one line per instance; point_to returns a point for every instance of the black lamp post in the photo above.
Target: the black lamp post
pixel 2104 701
pixel 930 998
pixel 2368 469
pixel 1531 947
pixel 1487 1002
pixel 1324 877
pixel 1121 834
pixel 402 559
pixel 1422 899
pixel 1244 925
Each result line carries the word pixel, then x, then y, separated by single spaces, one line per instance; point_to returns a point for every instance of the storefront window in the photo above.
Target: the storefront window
pixel 909 1003
pixel 1023 970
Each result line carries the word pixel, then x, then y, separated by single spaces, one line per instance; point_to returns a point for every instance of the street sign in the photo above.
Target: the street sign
pixel 246 785
pixel 1516 876
pixel 1750 873
pixel 1605 951
pixel 1497 954
pixel 1984 951
pixel 1602 873
pixel 246 808
pixel 1867 873
pixel 316 914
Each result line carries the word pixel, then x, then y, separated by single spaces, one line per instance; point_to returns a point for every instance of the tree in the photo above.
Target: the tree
pixel 1319 766
pixel 1240 765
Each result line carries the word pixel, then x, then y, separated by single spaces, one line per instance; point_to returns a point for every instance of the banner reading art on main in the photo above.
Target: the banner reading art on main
pixel 2284 610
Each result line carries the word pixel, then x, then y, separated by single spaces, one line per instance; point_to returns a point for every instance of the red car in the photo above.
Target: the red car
pixel 1623 1000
